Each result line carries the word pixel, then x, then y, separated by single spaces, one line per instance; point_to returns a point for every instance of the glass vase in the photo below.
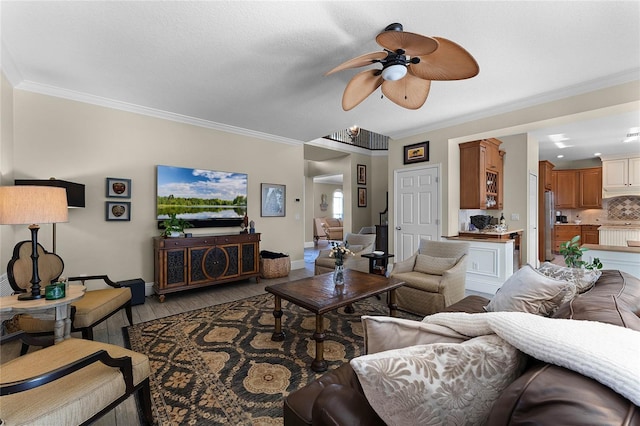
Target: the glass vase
pixel 338 275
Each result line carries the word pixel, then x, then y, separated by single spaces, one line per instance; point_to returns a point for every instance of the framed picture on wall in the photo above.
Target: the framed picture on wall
pixel 118 188
pixel 362 174
pixel 118 210
pixel 273 200
pixel 416 153
pixel 362 197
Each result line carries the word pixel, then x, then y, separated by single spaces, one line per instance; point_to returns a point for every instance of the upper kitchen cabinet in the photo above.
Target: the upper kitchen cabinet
pixel 565 188
pixel 578 188
pixel 590 188
pixel 620 175
pixel 545 170
pixel 481 175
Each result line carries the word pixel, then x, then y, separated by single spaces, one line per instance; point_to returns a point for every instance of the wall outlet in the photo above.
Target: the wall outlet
pixel 515 216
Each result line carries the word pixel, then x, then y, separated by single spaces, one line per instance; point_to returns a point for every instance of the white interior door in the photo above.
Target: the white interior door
pixel 532 225
pixel 417 209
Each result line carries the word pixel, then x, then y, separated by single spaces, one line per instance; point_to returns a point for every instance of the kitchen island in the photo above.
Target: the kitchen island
pixel 626 259
pixel 491 258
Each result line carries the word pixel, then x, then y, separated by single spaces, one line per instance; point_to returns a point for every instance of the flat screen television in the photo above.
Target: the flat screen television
pixel 204 198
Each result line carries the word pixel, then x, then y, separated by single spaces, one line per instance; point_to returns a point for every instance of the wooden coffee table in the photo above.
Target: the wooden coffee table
pixel 317 294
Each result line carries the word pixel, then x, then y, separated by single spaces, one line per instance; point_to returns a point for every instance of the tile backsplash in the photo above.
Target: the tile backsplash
pixel 618 209
pixel 623 208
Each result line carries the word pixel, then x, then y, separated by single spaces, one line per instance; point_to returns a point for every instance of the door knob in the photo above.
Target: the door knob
pixel 398 228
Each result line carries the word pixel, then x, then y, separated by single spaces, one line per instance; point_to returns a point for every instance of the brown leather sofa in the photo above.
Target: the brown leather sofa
pixel 544 394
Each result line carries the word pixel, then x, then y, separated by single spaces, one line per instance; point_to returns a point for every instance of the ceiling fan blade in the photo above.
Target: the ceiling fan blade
pixel 360 61
pixel 361 85
pixel 413 44
pixel 409 92
pixel 449 62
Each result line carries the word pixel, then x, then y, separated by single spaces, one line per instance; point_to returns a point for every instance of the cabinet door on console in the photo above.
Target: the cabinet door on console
pixel 250 258
pixel 176 261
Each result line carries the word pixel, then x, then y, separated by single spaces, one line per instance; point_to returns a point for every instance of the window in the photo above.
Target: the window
pixel 337 204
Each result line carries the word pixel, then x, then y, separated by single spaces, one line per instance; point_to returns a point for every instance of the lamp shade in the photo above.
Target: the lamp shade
pixel 75 191
pixel 32 205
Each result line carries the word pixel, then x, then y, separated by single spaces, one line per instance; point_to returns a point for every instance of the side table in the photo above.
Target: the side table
pixel 378 262
pixel 59 310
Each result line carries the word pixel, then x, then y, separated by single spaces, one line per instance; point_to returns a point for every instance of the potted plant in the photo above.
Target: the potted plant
pixel 173 226
pixel 572 253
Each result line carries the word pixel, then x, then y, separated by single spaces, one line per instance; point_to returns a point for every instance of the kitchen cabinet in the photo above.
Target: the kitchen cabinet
pixel 481 175
pixel 562 233
pixel 578 188
pixel 565 189
pixel 589 234
pixel 186 263
pixel 515 235
pixel 621 174
pixel 590 188
pixel 545 171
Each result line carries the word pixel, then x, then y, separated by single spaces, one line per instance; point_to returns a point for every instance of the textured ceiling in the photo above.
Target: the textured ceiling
pixel 259 66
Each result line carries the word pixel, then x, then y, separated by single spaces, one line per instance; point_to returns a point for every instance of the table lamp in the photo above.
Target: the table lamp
pixel 22 205
pixel 75 195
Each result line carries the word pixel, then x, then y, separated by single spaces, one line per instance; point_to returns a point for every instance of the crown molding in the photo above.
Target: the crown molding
pixel 567 92
pixel 44 89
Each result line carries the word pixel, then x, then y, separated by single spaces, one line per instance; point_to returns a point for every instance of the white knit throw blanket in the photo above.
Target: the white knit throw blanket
pixel 604 352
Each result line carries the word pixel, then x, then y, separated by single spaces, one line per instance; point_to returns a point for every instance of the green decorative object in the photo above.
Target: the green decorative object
pixel 54 291
pixel 572 253
pixel 174 226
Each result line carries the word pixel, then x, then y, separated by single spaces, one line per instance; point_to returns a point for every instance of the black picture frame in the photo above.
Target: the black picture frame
pixel 362 197
pixel 118 211
pixel 273 200
pixel 416 153
pixel 362 174
pixel 118 187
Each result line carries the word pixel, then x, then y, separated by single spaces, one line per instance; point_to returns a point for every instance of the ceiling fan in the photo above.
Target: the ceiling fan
pixel 409 62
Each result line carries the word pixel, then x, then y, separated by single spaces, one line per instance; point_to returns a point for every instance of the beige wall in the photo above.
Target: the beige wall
pixel 85 143
pixel 328 190
pixel 444 142
pixel 7 240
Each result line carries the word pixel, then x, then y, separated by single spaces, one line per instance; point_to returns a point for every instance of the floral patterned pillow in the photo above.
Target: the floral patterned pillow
pixel 440 383
pixel 584 279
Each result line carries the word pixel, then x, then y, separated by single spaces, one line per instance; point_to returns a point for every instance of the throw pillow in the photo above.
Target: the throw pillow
pixel 433 265
pixel 384 333
pixel 527 290
pixel 584 279
pixel 441 383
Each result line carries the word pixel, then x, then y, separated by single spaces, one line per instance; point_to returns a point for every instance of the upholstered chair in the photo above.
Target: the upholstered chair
pixel 93 308
pixel 434 276
pixel 359 244
pixel 73 382
pixel 319 232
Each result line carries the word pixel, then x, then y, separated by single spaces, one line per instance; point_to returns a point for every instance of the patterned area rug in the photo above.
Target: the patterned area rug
pixel 218 365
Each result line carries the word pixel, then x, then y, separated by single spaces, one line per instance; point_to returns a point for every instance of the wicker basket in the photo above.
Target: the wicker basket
pixel 275 268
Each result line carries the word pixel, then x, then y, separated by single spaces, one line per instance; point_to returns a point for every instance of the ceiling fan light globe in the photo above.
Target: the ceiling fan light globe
pixel 394 72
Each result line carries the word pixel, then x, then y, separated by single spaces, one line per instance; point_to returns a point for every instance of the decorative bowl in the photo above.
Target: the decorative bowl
pixel 378 252
pixel 577 221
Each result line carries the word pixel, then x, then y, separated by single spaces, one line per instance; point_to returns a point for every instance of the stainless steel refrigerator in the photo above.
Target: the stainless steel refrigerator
pixel 549 223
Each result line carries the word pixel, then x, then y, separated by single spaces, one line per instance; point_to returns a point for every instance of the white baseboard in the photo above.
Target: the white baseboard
pixel 309 244
pixel 297 264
